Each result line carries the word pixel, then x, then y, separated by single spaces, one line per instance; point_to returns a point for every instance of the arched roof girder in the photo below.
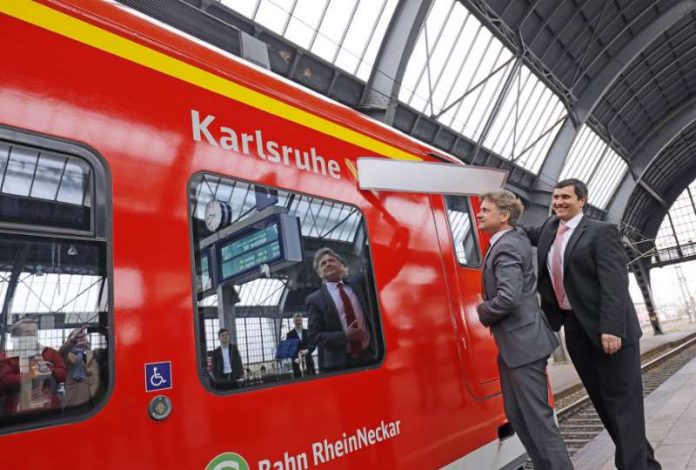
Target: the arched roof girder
pixel 591 95
pixel 648 155
pixel 652 221
pixel 382 90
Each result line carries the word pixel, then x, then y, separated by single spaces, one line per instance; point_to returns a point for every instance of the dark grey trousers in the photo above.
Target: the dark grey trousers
pixel 525 395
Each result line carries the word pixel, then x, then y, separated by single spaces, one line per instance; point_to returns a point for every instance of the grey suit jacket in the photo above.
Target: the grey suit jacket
pixel 511 308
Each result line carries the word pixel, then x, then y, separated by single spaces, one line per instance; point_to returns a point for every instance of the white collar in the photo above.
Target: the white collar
pixel 573 223
pixel 496 236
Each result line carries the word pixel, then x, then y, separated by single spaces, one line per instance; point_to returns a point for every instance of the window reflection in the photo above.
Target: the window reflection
pixel 462 230
pixel 44 188
pixel 53 288
pixel 53 342
pixel 265 317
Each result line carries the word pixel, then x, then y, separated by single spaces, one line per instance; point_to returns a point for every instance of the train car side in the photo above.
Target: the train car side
pixel 160 111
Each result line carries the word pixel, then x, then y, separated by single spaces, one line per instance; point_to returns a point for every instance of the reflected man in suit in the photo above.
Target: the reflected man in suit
pixel 304 351
pixel 339 321
pixel 227 363
pixel 510 308
pixel 583 282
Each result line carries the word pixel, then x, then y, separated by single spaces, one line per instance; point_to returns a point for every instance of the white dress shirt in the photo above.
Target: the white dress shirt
pixel 496 236
pixel 572 224
pixel 359 314
pixel 226 363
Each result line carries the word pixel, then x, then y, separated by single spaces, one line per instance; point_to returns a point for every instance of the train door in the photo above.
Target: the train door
pixel 460 248
pixel 462 255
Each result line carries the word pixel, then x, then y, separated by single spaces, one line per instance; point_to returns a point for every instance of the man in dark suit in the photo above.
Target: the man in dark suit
pixel 583 282
pixel 339 320
pixel 304 350
pixel 227 363
pixel 525 341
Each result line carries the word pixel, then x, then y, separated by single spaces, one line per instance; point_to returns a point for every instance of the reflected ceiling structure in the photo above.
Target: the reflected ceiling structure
pixel 546 89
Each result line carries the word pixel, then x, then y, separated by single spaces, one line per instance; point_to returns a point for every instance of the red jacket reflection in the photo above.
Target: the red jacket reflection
pixel 10 381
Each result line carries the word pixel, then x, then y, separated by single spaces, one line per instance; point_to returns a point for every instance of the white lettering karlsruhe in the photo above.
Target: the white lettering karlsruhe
pixel 254 143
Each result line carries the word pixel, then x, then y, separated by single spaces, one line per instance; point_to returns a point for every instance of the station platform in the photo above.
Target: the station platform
pixel 564 378
pixel 670 415
pixel 670 412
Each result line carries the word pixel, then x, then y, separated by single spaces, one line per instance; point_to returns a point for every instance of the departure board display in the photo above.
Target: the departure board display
pixel 255 251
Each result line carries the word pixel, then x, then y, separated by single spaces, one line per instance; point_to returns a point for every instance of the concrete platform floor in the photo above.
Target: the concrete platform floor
pixel 671 425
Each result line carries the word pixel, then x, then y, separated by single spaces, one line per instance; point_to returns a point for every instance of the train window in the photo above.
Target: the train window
pixel 53 285
pixel 284 285
pixel 44 188
pixel 462 228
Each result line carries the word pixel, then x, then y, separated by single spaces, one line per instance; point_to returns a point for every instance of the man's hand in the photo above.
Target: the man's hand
pixel 353 333
pixel 610 343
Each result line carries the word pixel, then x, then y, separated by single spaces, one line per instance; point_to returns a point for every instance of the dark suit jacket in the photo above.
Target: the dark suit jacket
pixel 325 328
pixel 304 344
pixel 595 277
pixel 218 364
pixel 511 308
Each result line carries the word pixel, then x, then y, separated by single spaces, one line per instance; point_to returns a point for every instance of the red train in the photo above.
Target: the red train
pixel 154 190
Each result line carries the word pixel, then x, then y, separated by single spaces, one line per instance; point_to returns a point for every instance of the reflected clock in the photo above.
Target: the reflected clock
pixel 217 215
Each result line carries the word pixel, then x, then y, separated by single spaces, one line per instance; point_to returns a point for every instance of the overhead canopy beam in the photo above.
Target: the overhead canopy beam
pixel 599 85
pixel 382 91
pixel 650 150
pixel 652 222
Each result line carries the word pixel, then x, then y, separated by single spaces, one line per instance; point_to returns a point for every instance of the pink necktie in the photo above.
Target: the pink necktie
pixel 557 266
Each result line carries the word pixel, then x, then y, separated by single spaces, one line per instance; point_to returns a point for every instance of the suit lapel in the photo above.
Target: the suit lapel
pixel 574 237
pixel 330 303
pixel 547 237
pixel 487 263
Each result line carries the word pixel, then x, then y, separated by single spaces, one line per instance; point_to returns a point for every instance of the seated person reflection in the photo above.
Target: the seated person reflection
pixel 339 321
pixel 228 371
pixel 31 374
pixel 82 380
pixel 302 360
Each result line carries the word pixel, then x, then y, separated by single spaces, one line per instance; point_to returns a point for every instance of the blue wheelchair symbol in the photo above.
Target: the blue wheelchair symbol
pixel 158 376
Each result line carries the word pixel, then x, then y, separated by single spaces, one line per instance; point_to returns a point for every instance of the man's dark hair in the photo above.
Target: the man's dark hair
pixel 222 330
pixel 579 186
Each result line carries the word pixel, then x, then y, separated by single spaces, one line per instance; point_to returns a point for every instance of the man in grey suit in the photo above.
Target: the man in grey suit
pixel 525 341
pixel 583 282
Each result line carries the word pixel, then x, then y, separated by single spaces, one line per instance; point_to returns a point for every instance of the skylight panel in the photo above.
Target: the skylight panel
pixel 274 14
pixel 683 214
pixel 261 292
pixel 604 181
pixel 346 33
pixel 529 119
pixel 593 161
pixel 56 293
pixel 456 70
pixel 304 22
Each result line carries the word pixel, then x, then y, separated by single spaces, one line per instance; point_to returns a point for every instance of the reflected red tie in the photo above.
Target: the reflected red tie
pixel 557 266
pixel 355 346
